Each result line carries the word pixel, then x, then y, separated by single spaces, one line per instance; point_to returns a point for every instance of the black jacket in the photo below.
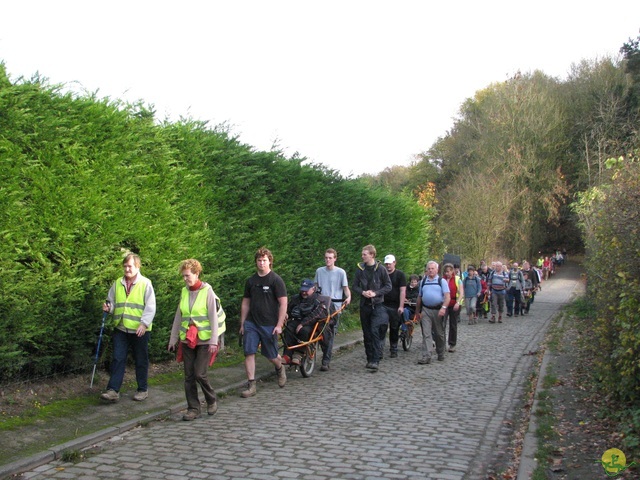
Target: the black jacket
pixel 374 278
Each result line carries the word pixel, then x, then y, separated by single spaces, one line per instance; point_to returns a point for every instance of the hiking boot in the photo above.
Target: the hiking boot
pixel 191 415
pixel 393 354
pixel 110 396
pixel 452 349
pixel 440 358
pixel 250 390
pixel 324 367
pixel 296 357
pixel 140 396
pixel 212 408
pixel 424 361
pixel 282 376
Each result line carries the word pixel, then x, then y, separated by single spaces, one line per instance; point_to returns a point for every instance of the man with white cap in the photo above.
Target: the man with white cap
pixel 394 302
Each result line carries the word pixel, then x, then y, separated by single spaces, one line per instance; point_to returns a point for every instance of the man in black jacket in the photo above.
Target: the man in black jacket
pixel 304 310
pixel 372 283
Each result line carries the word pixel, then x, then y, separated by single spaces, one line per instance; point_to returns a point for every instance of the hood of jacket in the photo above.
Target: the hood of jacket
pixel 362 265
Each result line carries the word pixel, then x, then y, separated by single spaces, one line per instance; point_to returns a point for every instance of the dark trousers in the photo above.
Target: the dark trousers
pixel 529 302
pixel 374 320
pixel 453 317
pixel 122 342
pixel 196 364
pixel 291 337
pixel 326 344
pixel 513 296
pixel 395 320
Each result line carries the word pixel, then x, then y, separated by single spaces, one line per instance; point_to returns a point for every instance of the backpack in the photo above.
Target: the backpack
pixel 476 279
pixel 222 324
pixel 423 283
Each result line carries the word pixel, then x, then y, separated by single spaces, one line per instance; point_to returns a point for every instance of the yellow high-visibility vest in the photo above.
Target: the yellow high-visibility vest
pixel 196 315
pixel 128 309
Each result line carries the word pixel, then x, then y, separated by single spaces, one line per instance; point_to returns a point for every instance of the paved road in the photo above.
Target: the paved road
pixel 408 421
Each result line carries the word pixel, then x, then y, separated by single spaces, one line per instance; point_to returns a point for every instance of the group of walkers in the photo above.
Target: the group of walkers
pixel 199 323
pixel 387 302
pixel 437 302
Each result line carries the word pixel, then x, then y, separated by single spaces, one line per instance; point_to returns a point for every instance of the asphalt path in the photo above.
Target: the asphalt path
pixel 447 420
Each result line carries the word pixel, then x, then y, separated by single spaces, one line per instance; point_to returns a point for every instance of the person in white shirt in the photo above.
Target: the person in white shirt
pixel 332 282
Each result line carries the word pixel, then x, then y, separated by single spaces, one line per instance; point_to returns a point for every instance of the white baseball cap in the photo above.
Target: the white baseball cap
pixel 389 259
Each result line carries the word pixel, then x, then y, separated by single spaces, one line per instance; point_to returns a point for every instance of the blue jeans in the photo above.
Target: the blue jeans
pixel 408 314
pixel 140 346
pixel 374 320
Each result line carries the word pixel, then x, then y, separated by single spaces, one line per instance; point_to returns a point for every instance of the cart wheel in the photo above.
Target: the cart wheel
pixel 309 361
pixel 407 339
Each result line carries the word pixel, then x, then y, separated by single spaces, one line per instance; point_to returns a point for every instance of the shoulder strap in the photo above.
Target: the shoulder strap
pixel 423 283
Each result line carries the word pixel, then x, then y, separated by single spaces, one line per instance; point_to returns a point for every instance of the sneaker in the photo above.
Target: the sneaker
pixel 212 408
pixel 324 368
pixel 250 390
pixel 369 365
pixel 374 367
pixel 282 376
pixel 141 396
pixel 440 358
pixel 110 396
pixel 191 415
pixel 452 349
pixel 493 319
pixel 394 354
pixel 508 314
pixel 424 361
pixel 500 319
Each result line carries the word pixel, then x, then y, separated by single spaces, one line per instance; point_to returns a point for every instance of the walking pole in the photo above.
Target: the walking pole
pixel 95 363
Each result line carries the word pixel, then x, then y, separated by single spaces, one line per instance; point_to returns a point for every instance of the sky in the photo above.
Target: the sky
pixel 355 85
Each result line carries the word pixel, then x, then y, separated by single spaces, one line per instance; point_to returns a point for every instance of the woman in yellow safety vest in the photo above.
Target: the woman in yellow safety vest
pixel 196 326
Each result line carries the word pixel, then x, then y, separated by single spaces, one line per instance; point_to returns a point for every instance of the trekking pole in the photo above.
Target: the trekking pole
pixel 95 363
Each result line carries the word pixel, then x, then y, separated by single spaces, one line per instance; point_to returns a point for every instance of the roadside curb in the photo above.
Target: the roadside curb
pixel 56 452
pixel 528 461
